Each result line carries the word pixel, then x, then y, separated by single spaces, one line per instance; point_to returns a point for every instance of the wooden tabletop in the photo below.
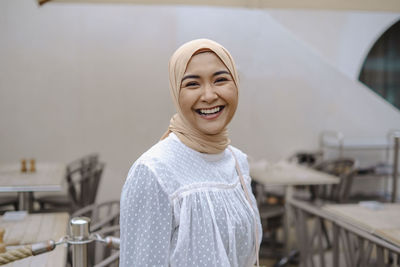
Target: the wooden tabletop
pixel 286 173
pixel 382 220
pixel 35 228
pixel 47 177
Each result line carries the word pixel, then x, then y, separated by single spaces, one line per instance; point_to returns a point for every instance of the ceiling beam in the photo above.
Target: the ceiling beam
pixel 361 5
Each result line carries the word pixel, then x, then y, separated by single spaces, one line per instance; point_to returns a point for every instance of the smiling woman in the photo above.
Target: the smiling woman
pixel 187 201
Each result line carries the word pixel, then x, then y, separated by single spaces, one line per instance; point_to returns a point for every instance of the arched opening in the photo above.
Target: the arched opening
pixel 381 69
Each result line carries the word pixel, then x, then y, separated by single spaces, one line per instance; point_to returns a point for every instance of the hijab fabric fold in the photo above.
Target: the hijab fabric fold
pixel 190 136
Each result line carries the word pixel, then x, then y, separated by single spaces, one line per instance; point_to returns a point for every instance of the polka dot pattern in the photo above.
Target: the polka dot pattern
pixel 180 207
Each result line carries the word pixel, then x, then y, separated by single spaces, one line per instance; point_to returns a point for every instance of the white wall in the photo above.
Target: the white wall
pixel 342 38
pixel 76 79
pixel 81 78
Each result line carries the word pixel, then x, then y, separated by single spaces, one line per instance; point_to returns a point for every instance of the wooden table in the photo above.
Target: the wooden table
pixel 288 175
pixel 382 221
pixel 36 228
pixel 47 177
pixel 359 235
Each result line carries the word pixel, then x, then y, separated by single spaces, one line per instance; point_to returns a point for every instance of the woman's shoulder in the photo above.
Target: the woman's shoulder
pixel 162 154
pixel 157 162
pixel 238 153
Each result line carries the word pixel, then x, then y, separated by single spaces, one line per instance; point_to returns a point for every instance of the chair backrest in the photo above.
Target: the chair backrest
pixel 90 184
pixel 344 168
pixel 101 215
pixel 83 164
pixel 75 172
pixel 309 159
pixel 83 178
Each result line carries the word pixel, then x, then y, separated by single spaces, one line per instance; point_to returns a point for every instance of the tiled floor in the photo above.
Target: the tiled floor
pixel 269 257
pixel 270 263
pixel 267 262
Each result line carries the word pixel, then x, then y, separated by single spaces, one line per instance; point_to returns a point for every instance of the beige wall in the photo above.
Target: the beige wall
pixel 81 78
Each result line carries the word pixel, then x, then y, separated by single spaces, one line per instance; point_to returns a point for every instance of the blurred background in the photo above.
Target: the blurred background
pixel 80 77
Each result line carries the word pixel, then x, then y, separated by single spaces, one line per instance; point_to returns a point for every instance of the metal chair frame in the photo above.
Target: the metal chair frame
pixel 83 178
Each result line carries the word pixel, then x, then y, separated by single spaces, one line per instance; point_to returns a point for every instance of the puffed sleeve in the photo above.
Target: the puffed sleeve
pixel 145 220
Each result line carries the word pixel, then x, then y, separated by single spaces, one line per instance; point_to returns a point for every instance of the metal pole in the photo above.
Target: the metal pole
pixel 395 166
pixel 23 200
pixel 79 227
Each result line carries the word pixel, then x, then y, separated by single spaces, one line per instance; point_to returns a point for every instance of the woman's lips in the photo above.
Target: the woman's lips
pixel 210 113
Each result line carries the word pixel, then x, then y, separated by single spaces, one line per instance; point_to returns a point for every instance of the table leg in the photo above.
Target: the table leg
pixel 24 201
pixel 395 167
pixel 290 255
pixel 287 219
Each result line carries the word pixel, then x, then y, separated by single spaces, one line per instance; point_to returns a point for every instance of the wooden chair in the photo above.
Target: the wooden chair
pixel 83 191
pixel 83 177
pixel 344 168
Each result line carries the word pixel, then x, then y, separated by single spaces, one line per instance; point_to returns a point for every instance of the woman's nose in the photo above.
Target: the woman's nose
pixel 209 94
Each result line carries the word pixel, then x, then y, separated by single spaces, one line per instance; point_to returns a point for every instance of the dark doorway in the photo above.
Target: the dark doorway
pixel 381 68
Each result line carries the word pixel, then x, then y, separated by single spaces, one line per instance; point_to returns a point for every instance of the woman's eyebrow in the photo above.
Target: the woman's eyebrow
pixel 190 77
pixel 221 72
pixel 197 76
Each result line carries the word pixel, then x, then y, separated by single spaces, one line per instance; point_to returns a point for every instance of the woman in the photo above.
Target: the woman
pixel 187 200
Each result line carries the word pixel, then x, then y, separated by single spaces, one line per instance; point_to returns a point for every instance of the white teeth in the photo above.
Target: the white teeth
pixel 210 111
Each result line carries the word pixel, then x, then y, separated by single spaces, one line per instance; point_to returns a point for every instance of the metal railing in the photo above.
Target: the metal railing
pixel 78 239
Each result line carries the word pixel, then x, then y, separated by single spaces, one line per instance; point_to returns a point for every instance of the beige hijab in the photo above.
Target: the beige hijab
pixel 190 136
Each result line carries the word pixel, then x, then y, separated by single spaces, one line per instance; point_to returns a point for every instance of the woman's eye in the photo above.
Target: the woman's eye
pixel 191 84
pixel 221 79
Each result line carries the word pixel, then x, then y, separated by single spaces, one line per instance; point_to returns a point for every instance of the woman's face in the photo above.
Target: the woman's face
pixel 208 97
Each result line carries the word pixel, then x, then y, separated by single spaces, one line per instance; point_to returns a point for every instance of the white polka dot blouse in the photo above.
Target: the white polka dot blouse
pixel 180 207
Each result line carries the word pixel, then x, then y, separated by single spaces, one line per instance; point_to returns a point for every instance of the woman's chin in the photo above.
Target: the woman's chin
pixel 211 130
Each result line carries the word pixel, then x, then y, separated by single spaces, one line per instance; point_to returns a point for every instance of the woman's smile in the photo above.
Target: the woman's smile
pixel 210 113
